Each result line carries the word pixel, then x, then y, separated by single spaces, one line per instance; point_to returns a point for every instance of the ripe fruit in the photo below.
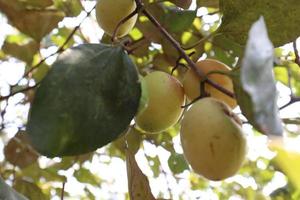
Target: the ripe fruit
pixel 166 97
pixel 110 12
pixel 191 82
pixel 212 139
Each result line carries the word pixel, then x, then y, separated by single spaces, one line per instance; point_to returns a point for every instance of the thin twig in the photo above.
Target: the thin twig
pixel 114 35
pixel 19 91
pixel 201 41
pixel 178 64
pixel 292 100
pixel 297 59
pixel 63 191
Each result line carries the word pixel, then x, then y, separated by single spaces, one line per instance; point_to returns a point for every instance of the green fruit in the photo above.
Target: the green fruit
pixel 166 97
pixel 110 12
pixel 212 139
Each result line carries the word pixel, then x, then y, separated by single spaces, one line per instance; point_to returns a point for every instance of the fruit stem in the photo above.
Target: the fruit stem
pixel 182 53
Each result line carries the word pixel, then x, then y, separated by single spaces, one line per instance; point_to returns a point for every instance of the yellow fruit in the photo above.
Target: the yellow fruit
pixel 191 82
pixel 110 12
pixel 212 139
pixel 166 97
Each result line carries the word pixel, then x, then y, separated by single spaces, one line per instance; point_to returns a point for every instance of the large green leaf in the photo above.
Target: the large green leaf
pixel 282 18
pixel 87 100
pixel 7 193
pixel 257 94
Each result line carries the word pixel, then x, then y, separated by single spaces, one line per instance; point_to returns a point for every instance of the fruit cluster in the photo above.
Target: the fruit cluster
pixel 211 136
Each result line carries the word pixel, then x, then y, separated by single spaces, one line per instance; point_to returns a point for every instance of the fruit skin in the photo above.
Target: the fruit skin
pixel 110 12
pixel 144 96
pixel 212 139
pixel 191 82
pixel 166 97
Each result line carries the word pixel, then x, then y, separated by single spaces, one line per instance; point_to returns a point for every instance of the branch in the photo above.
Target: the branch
pixel 114 36
pixel 181 51
pixel 293 99
pixel 18 91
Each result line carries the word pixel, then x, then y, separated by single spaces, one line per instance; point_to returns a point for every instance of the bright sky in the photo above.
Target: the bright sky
pixel 12 70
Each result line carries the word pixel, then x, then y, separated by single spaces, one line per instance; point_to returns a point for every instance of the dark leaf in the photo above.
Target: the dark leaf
pixel 87 100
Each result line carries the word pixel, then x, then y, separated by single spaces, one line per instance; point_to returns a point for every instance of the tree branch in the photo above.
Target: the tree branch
pixel 293 99
pixel 18 91
pixel 182 53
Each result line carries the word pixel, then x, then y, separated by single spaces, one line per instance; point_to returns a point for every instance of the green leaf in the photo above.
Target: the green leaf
pixel 71 8
pixel 154 164
pixel 24 52
pixel 289 163
pixel 257 81
pixel 85 176
pixel 35 23
pixel 7 193
pixel 177 20
pixel 282 19
pixel 61 37
pixel 30 190
pixel 177 163
pixel 34 172
pixel 86 100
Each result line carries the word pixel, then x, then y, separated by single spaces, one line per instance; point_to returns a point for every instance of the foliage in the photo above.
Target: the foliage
pixel 87 98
